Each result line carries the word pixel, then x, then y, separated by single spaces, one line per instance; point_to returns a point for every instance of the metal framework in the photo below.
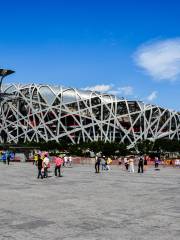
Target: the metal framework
pixel 44 113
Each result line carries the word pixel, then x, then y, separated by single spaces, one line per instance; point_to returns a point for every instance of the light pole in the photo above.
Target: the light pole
pixel 3 73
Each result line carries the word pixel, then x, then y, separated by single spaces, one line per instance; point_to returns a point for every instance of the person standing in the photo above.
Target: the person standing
pixel 131 165
pixel 4 157
pixel 156 160
pixel 8 157
pixel 45 165
pixel 145 163
pixel 126 164
pixel 119 161
pixel 65 161
pixel 58 162
pixel 103 163
pixel 141 164
pixel 35 158
pixel 108 162
pixel 97 164
pixel 39 166
pixel 70 161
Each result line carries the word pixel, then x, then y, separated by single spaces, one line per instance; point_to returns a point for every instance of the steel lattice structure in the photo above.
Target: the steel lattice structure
pixel 43 113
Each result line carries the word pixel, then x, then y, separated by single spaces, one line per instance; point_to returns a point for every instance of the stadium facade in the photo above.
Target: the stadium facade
pixel 43 113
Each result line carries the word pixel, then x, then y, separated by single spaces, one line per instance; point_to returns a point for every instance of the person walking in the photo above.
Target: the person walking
pixel 4 157
pixel 119 161
pixel 156 161
pixel 58 162
pixel 8 156
pixel 131 165
pixel 126 164
pixel 108 162
pixel 103 163
pixel 65 161
pixel 45 165
pixel 145 163
pixel 70 161
pixel 97 164
pixel 141 164
pixel 39 166
pixel 35 158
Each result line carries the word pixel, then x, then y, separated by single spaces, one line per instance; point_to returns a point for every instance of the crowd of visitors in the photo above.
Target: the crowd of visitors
pixel 102 162
pixel 128 162
pixel 42 161
pixel 6 156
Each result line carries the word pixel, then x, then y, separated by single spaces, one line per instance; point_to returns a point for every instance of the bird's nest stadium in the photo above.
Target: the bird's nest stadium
pixel 38 113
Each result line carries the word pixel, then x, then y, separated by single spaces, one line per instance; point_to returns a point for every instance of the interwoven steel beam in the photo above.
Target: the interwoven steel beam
pixel 44 113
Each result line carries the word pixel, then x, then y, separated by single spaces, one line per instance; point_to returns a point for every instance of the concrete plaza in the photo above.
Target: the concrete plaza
pixel 84 205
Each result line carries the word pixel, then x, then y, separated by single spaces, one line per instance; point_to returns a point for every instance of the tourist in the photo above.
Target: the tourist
pixel 58 162
pixel 103 163
pixel 4 157
pixel 156 162
pixel 40 167
pixel 145 163
pixel 46 165
pixel 131 165
pixel 108 162
pixel 35 158
pixel 70 161
pixel 97 164
pixel 12 156
pixel 141 164
pixel 65 161
pixel 177 163
pixel 8 157
pixel 119 161
pixel 126 164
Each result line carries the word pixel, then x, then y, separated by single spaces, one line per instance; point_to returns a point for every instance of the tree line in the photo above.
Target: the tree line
pixel 107 148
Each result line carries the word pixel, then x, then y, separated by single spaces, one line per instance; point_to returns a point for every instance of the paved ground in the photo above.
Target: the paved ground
pixel 84 205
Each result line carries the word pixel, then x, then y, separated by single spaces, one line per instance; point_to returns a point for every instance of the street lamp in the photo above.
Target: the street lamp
pixel 4 73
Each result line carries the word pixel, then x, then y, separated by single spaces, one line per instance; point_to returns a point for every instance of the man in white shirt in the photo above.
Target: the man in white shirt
pixel 131 165
pixel 45 166
pixel 70 161
pixel 65 161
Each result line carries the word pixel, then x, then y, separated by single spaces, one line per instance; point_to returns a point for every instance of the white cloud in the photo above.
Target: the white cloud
pixel 127 90
pixel 111 89
pixel 152 96
pixel 99 88
pixel 160 59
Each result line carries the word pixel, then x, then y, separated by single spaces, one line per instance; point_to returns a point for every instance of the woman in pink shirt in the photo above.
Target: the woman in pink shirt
pixel 58 162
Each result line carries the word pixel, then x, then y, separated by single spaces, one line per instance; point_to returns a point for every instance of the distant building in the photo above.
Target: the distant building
pixel 44 113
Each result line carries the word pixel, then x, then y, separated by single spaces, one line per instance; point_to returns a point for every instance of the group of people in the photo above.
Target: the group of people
pixel 67 161
pixel 43 164
pixel 130 161
pixel 6 156
pixel 42 161
pixel 141 161
pixel 103 161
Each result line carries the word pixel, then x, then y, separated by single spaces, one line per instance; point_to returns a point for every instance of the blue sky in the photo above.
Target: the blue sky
pixel 128 48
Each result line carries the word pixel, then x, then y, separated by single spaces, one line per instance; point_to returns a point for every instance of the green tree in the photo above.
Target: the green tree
pixel 144 146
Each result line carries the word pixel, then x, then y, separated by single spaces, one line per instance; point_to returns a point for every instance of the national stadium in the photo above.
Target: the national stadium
pixel 37 113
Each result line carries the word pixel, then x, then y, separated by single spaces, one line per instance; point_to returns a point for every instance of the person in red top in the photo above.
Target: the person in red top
pixel 58 162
